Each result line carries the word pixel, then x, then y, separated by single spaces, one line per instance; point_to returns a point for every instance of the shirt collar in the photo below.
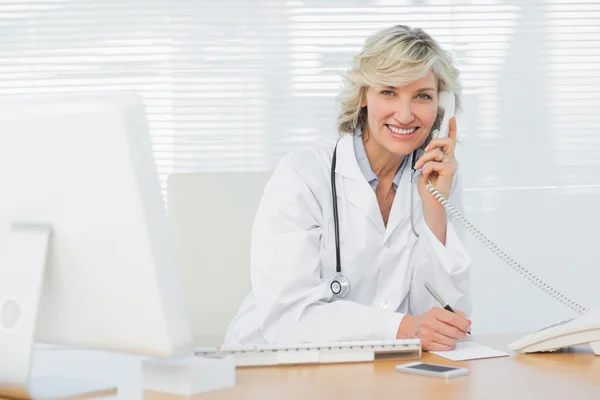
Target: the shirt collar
pixel 365 166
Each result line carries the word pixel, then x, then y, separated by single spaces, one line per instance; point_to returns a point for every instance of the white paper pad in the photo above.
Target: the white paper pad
pixel 469 351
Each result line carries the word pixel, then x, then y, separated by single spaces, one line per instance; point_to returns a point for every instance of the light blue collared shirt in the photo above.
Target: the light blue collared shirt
pixel 365 167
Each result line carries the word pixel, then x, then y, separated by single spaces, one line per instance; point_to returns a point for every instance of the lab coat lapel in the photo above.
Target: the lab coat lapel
pixel 401 204
pixel 356 188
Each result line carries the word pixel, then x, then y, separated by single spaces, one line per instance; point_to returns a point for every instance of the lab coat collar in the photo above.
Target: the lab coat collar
pixel 362 196
pixel 356 188
pixel 346 164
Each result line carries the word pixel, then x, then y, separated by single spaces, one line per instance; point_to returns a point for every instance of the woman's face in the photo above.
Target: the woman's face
pixel 400 119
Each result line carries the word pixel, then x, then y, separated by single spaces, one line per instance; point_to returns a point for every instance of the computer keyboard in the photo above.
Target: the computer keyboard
pixel 316 353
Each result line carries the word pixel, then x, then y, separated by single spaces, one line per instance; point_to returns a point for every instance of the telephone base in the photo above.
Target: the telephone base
pixel 583 329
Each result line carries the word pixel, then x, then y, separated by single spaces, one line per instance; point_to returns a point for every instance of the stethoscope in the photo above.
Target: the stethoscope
pixel 340 285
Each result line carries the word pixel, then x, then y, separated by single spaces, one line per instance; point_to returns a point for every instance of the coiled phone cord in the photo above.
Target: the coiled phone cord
pixel 502 255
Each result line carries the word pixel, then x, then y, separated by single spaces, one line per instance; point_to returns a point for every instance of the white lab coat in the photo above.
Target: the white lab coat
pixel 293 256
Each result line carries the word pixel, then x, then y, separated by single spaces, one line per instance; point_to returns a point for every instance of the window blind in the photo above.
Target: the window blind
pixel 236 84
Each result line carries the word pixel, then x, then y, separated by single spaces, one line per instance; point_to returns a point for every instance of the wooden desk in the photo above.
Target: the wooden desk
pixel 573 374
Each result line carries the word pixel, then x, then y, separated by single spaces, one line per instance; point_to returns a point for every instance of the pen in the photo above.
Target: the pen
pixel 439 299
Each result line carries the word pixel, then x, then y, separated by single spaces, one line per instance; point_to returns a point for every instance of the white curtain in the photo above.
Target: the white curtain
pixel 236 84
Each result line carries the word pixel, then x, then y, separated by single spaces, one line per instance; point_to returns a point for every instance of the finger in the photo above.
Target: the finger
pixel 435 166
pixel 436 154
pixel 429 169
pixel 452 319
pixel 462 314
pixel 449 331
pixel 443 339
pixel 452 130
pixel 446 144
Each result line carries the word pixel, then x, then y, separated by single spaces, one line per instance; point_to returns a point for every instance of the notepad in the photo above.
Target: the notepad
pixel 469 351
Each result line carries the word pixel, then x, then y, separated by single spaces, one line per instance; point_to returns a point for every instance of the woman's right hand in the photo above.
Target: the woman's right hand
pixel 438 329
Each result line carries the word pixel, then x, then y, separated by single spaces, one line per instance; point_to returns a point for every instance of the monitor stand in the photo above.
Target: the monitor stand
pixel 22 265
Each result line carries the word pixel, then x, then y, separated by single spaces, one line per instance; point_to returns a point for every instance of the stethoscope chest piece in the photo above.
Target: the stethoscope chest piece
pixel 340 285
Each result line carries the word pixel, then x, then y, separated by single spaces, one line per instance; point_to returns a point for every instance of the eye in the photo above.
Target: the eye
pixel 423 96
pixel 387 92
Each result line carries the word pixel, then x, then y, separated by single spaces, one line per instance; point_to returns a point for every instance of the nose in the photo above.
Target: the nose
pixel 404 113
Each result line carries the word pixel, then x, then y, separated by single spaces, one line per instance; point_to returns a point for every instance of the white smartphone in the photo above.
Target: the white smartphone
pixel 440 371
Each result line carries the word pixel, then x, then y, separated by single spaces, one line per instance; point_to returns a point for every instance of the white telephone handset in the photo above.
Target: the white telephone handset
pixel 579 330
pixel 447 104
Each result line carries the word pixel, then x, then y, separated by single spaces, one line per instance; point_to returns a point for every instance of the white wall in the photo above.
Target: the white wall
pixel 554 234
pixel 530 157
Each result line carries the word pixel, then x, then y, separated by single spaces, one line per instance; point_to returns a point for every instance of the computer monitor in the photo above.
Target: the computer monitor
pixel 86 255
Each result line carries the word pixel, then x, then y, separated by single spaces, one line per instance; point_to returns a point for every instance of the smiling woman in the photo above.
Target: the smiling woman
pixel 398 119
pixel 344 203
pixel 391 59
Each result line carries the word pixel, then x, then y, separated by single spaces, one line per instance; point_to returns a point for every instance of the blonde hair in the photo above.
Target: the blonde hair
pixel 395 56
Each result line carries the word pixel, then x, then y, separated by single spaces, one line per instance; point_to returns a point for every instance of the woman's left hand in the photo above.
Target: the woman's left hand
pixel 440 165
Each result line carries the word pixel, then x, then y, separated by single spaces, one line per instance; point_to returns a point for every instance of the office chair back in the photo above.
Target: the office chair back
pixel 212 215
